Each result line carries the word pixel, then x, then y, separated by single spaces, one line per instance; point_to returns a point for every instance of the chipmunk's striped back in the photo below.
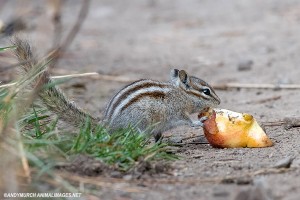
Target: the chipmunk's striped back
pixel 134 93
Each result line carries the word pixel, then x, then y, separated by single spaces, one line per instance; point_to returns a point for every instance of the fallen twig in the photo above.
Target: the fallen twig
pixel 273 98
pixel 123 79
pixel 226 86
pixel 58 77
pixel 76 75
pixel 288 122
pixel 274 123
pixel 197 142
pixel 92 75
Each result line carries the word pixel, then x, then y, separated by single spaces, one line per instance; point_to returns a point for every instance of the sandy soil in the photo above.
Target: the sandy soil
pixel 248 41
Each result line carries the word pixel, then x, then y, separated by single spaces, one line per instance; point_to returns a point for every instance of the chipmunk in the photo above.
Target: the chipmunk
pixel 143 104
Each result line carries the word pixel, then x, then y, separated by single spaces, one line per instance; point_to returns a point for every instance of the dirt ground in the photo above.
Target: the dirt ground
pixel 249 41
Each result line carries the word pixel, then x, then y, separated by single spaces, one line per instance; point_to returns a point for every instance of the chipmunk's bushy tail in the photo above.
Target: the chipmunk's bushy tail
pixel 51 95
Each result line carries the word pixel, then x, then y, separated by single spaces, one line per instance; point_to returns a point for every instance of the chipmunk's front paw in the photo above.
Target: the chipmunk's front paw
pixel 198 124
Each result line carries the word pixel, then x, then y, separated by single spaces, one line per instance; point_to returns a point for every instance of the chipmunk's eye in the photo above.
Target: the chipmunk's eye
pixel 206 91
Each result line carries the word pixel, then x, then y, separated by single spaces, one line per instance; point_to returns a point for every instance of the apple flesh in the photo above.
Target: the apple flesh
pixel 228 129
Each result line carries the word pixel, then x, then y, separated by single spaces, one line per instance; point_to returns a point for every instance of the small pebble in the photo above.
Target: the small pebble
pixel 285 163
pixel 245 65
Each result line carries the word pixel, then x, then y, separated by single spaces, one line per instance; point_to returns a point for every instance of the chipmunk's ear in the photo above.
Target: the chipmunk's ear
pixel 174 74
pixel 179 77
pixel 183 77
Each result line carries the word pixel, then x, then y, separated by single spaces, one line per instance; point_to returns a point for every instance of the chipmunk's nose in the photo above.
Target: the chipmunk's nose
pixel 218 100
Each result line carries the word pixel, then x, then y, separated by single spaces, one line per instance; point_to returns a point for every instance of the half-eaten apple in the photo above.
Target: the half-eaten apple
pixel 228 129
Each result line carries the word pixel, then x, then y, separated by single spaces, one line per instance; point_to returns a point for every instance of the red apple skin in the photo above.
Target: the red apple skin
pixel 211 132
